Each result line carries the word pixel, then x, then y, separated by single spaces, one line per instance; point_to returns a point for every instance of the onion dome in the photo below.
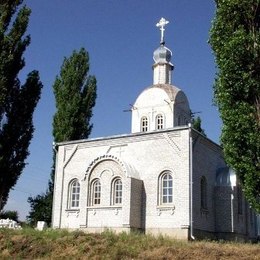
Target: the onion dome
pixel 162 55
pixel 226 177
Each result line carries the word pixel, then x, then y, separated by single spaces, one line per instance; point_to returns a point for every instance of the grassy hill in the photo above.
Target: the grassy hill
pixel 60 244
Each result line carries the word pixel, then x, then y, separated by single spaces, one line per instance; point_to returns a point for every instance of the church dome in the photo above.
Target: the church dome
pixel 162 55
pixel 226 177
pixel 162 105
pixel 157 94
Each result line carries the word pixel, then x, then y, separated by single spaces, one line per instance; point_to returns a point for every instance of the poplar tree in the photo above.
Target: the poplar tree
pixel 17 101
pixel 75 95
pixel 235 40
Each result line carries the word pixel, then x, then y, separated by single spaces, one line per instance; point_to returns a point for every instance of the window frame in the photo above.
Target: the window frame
pixel 165 193
pixel 74 194
pixel 179 120
pixel 203 193
pixel 144 124
pixel 159 119
pixel 117 192
pixel 239 200
pixel 96 189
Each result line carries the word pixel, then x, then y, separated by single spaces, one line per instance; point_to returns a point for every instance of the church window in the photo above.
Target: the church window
pixel 96 192
pixel 144 124
pixel 159 122
pixel 239 200
pixel 117 191
pixel 74 192
pixel 179 120
pixel 251 216
pixel 166 188
pixel 203 193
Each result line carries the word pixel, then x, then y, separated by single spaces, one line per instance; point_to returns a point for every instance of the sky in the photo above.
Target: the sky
pixel 120 36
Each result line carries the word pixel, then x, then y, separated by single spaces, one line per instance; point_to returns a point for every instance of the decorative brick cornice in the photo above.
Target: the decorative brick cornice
pixel 128 170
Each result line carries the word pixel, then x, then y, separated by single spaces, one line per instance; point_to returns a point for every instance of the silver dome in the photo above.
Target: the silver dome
pixel 162 55
pixel 226 177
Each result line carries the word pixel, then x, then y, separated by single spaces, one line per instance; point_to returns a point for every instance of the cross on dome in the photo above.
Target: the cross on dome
pixel 162 24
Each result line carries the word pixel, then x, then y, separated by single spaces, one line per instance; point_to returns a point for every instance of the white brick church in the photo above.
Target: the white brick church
pixel 162 178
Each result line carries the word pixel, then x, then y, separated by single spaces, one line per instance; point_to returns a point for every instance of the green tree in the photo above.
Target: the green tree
pixel 196 124
pixel 41 208
pixel 235 40
pixel 11 214
pixel 17 102
pixel 75 94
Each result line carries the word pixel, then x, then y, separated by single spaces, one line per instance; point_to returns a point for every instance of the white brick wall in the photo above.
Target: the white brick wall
pixel 149 155
pixel 166 100
pixel 139 159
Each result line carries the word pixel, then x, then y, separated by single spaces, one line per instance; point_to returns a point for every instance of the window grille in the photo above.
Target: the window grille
pixel 144 124
pixel 159 122
pixel 74 194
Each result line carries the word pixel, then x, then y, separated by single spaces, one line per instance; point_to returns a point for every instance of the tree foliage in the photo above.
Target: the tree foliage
pixel 11 214
pixel 17 102
pixel 196 124
pixel 40 208
pixel 235 40
pixel 75 94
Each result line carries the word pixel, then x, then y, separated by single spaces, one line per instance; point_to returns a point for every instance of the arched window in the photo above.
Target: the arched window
pixel 239 200
pixel 166 188
pixel 203 193
pixel 159 122
pixel 117 191
pixel 251 216
pixel 96 192
pixel 74 192
pixel 144 124
pixel 179 120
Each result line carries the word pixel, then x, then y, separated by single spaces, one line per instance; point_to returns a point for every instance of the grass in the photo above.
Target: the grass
pixel 61 244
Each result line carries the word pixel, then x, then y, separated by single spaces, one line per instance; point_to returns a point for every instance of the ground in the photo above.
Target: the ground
pixel 61 244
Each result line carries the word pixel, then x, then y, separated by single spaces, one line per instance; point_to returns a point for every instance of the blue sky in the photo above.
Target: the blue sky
pixel 120 36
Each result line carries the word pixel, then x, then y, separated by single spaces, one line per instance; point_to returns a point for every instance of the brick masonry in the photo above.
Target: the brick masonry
pixel 139 159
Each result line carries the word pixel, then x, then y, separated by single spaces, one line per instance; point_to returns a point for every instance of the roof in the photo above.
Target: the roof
pixel 162 54
pixel 171 90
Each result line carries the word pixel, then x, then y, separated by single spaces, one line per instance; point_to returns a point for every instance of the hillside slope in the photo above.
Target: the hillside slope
pixel 60 244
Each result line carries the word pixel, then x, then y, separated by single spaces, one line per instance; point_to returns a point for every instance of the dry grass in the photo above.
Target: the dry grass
pixel 60 244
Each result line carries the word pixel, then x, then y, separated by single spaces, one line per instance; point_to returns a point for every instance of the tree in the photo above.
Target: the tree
pixel 40 208
pixel 235 40
pixel 11 214
pixel 75 94
pixel 17 102
pixel 196 123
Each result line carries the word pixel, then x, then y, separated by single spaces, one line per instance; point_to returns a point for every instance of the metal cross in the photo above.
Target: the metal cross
pixel 162 24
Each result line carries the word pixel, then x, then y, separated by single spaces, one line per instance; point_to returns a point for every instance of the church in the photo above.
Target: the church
pixel 163 178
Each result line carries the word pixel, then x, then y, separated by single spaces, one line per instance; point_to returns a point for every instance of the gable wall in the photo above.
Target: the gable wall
pixel 149 155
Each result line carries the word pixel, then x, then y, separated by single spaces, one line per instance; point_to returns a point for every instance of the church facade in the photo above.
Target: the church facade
pixel 162 178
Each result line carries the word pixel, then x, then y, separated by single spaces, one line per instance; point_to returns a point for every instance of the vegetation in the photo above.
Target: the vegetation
pixel 75 94
pixel 196 124
pixel 11 214
pixel 235 40
pixel 60 244
pixel 40 208
pixel 17 102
